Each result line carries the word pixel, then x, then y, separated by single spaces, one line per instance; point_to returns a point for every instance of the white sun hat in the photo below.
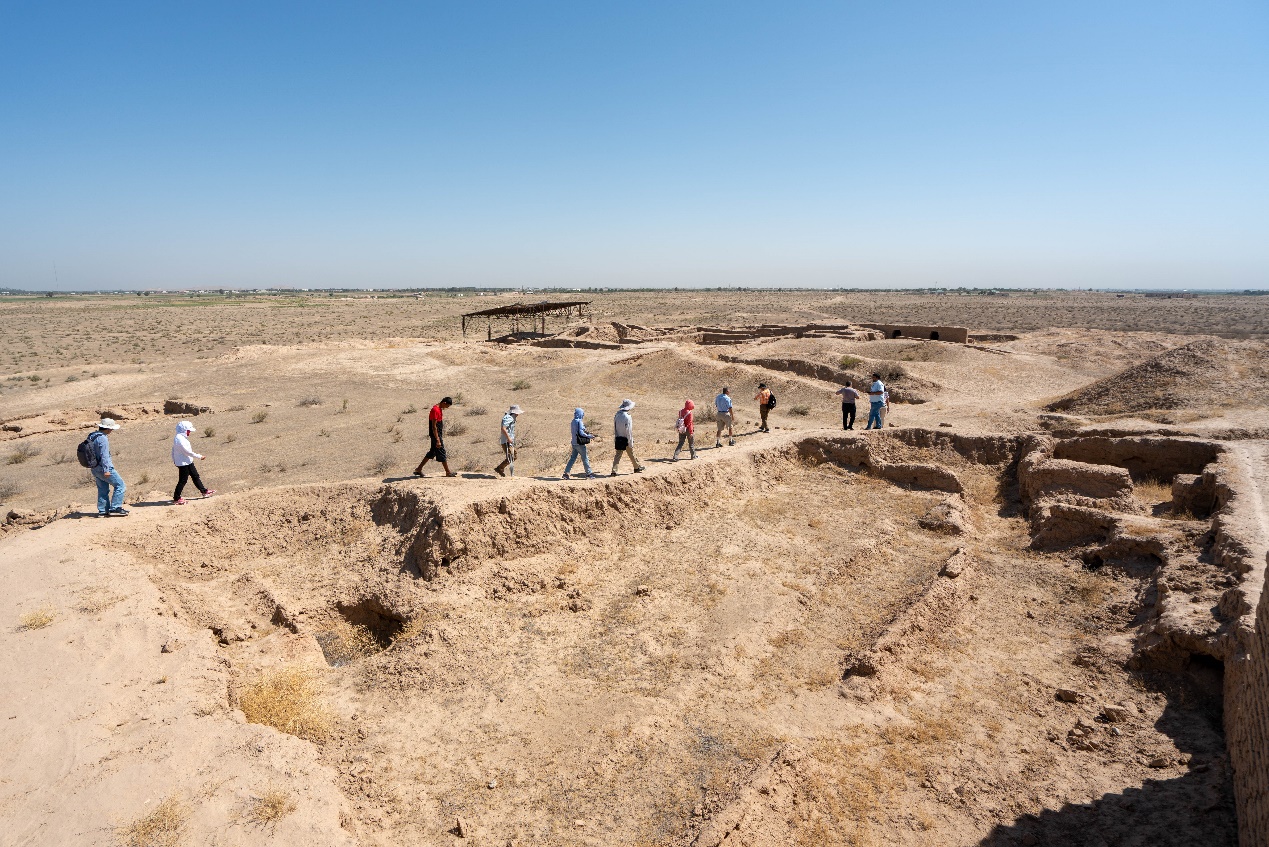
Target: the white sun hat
pixel 107 423
pixel 515 410
pixel 626 405
pixel 185 425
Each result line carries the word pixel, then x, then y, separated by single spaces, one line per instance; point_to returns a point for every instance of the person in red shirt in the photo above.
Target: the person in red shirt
pixel 436 432
pixel 686 427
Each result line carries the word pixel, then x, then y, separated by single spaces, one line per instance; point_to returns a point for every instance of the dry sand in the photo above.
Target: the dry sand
pixel 810 638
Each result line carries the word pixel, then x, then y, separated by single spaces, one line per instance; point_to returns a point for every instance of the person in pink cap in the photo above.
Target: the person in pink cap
pixel 183 457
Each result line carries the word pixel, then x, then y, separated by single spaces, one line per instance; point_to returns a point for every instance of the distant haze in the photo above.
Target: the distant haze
pixel 653 144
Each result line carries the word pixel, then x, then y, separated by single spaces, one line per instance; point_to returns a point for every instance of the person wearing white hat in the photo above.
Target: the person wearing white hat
pixel 183 457
pixel 109 503
pixel 623 437
pixel 507 438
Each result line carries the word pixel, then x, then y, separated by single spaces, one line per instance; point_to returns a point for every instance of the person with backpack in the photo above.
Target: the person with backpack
pixel 766 402
pixel 687 430
pixel 724 419
pixel 623 437
pixel 436 435
pixel 183 457
pixel 507 438
pixel 849 395
pixel 580 440
pixel 94 453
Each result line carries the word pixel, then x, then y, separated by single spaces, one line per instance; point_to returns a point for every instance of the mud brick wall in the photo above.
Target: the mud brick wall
pixel 1247 729
pixel 944 333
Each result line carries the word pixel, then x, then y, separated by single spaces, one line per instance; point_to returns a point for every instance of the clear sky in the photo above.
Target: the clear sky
pixel 311 144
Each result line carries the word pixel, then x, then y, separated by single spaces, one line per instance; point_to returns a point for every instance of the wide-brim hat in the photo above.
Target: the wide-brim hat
pixel 515 410
pixel 626 405
pixel 107 423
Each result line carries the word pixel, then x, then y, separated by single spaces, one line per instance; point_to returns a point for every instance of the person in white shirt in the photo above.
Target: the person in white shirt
pixel 849 396
pixel 507 438
pixel 877 401
pixel 183 457
pixel 623 437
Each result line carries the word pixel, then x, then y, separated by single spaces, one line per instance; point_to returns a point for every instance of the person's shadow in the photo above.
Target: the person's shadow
pixel 1195 808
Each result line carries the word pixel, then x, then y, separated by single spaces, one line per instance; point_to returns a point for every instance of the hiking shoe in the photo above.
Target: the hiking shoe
pixel 499 472
pixel 118 513
pixel 180 501
pixel 565 476
pixel 592 476
pixel 718 444
pixel 731 443
pixel 614 473
pixel 639 469
pixel 209 492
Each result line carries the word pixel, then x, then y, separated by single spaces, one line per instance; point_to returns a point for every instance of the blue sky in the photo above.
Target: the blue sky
pixel 1108 144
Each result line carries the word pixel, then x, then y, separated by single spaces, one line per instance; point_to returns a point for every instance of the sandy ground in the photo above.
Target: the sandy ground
pixel 652 659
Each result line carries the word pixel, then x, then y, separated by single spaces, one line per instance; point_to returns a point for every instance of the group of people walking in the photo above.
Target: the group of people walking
pixel 580 438
pixel 94 452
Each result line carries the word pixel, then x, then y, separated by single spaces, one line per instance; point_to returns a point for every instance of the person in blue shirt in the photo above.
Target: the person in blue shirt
pixel 104 474
pixel 876 402
pixel 580 440
pixel 725 418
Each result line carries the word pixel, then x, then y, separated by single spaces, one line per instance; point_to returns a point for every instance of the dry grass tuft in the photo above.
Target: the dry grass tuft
pixel 37 619
pixel 289 700
pixel 163 827
pixel 97 599
pixel 343 642
pixel 23 453
pixel 270 808
pixel 381 465
pixel 260 417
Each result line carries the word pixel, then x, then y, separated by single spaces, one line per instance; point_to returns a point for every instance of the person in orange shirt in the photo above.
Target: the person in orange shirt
pixel 764 405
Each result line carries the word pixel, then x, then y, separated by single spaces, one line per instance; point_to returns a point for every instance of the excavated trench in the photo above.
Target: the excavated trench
pixel 624 660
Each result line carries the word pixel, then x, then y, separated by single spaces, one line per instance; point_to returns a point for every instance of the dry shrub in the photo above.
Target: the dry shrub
pixel 800 410
pixel 381 465
pixel 890 371
pixel 97 599
pixel 37 619
pixel 520 385
pixel 847 362
pixel 23 453
pixel 163 827
pixel 289 700
pixel 476 411
pixel 270 808
pixel 343 642
pixel 456 428
pixel 1152 491
pixel 260 417
pixel 310 401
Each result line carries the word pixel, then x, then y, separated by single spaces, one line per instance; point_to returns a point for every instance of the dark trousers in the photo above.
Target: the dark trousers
pixel 188 472
pixel 848 416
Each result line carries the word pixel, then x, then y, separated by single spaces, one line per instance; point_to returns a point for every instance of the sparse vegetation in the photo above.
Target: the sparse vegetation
pixel 289 700
pixel 210 432
pixel 236 409
pixel 381 465
pixel 308 402
pixel 458 398
pixel 890 371
pixel 409 410
pixel 456 428
pixel 343 408
pixel 343 642
pixel 476 411
pixel 260 417
pixel 324 433
pixel 23 454
pixel 847 362
pixel 63 459
pixel 800 410
pixel 230 438
pixel 163 827
pixel 144 479
pixel 520 385
pixel 37 618
pixel 269 808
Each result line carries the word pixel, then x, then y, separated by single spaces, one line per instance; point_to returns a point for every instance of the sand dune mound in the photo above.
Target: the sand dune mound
pixel 1208 373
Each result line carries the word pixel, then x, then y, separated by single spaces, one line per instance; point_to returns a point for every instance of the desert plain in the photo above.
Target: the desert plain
pixel 1026 611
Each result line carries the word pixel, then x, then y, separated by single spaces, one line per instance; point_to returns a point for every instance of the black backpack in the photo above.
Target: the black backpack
pixel 771 400
pixel 86 452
